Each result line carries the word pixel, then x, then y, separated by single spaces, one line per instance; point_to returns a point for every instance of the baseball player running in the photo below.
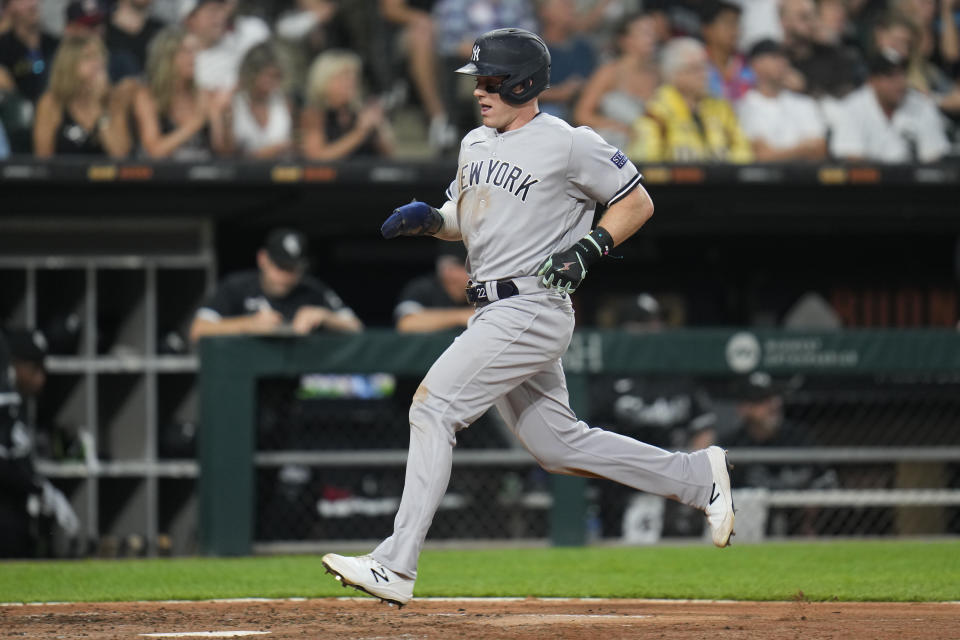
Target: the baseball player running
pixel 523 202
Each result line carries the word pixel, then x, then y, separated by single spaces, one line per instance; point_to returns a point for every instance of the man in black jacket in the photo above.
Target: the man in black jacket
pixel 24 495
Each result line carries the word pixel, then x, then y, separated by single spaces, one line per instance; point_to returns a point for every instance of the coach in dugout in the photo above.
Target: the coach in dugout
pixel 277 297
pixel 29 503
pixel 438 300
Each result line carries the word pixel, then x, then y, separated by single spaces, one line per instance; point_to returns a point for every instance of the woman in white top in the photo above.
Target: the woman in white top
pixel 262 124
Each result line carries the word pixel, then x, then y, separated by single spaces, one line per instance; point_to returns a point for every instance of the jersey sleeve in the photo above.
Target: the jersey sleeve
pixel 323 296
pixel 453 191
pixel 413 299
pixel 225 302
pixel 599 170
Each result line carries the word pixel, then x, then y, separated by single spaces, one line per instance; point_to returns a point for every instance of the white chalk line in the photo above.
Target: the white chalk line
pixel 439 599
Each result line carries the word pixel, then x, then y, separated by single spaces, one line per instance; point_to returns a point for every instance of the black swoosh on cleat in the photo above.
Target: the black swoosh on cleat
pixel 713 498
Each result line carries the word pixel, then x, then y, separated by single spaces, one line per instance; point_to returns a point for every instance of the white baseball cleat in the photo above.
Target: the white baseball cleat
pixel 720 506
pixel 366 574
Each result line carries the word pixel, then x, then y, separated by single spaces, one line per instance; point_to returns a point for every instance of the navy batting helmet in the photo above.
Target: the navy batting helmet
pixel 520 56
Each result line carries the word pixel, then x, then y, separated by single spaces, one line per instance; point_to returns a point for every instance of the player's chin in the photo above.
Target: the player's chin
pixel 487 116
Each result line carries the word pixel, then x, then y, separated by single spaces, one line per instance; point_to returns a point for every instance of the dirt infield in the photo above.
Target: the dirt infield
pixel 531 619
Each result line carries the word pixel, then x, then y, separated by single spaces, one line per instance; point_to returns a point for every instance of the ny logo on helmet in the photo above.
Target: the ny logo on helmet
pixel 476 53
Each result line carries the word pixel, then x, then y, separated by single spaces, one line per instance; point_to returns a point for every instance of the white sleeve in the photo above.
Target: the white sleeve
pixel 598 170
pixel 845 139
pixel 811 123
pixel 751 120
pixel 932 143
pixel 451 222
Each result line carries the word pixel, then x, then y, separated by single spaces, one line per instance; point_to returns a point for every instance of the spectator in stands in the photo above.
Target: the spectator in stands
pixel 833 25
pixel 781 124
pixel 730 77
pixel 939 36
pixel 304 23
pixel 682 122
pixel 822 70
pixel 614 96
pixel 898 34
pixel 419 41
pixel 85 18
pixel 885 121
pixel 658 10
pixel 759 21
pixel 129 32
pixel 81 114
pixel 596 19
pixel 26 53
pixel 24 495
pixel 175 119
pixel 277 297
pixel 262 121
pixel 682 16
pixel 335 124
pixel 304 31
pixel 224 39
pixel 438 300
pixel 572 59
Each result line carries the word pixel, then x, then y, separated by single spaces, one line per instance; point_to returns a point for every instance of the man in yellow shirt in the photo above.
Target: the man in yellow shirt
pixel 682 123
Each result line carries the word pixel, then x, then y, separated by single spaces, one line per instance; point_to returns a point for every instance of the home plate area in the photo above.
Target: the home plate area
pixel 481 619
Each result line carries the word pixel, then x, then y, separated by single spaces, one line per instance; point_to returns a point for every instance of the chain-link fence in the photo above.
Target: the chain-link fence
pixel 814 455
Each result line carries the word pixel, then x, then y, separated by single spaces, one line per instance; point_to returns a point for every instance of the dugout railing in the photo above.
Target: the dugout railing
pixel 918 370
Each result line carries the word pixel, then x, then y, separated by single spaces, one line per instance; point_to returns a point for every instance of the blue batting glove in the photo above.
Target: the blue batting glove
pixel 414 219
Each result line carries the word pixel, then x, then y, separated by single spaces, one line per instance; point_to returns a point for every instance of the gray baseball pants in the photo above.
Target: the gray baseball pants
pixel 509 356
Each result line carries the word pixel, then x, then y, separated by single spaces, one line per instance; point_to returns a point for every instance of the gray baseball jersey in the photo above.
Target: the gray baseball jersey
pixel 522 196
pixel 525 194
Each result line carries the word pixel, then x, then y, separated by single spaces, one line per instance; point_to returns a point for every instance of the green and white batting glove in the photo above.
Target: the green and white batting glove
pixel 565 270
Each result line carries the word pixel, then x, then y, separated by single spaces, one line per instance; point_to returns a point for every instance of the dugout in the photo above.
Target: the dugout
pixel 133 246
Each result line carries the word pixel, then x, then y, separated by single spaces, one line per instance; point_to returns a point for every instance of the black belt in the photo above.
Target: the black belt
pixel 477 291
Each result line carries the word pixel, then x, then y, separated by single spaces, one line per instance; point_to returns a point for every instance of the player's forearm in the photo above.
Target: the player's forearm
pixel 343 322
pixel 237 325
pixel 813 149
pixel 162 145
pixel 625 217
pixel 434 320
pixel 316 148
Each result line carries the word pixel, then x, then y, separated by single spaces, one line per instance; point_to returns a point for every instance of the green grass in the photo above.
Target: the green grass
pixel 895 571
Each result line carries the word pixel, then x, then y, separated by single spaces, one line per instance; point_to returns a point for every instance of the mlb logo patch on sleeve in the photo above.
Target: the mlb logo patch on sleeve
pixel 619 159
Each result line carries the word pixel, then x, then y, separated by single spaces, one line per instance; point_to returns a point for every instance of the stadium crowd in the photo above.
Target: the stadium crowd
pixel 667 81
